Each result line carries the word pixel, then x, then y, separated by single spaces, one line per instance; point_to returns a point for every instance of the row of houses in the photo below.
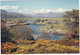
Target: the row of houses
pixel 55 21
pixel 10 23
pixel 51 22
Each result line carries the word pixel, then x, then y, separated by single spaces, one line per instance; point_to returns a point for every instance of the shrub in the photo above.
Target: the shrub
pixel 5 34
pixel 22 33
pixel 8 48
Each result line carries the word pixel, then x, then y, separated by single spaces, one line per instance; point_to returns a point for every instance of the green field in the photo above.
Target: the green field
pixel 50 19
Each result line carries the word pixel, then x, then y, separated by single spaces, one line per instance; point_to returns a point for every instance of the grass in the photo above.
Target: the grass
pixel 50 19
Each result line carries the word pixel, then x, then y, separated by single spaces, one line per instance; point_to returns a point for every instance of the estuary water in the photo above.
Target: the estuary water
pixel 36 28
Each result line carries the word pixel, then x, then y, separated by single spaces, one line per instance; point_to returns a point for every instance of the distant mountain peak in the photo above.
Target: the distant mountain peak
pixel 5 14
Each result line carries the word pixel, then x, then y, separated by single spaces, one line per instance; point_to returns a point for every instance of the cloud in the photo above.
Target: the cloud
pixel 9 7
pixel 22 11
pixel 32 11
pixel 43 11
pixel 29 11
pixel 60 10
pixel 51 10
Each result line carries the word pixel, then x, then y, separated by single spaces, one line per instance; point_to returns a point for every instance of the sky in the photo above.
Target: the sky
pixel 36 6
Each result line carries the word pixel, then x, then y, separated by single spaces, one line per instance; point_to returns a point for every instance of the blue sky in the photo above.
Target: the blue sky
pixel 39 6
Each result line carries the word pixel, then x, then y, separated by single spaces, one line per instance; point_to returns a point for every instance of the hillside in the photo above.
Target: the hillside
pixel 6 14
pixel 49 15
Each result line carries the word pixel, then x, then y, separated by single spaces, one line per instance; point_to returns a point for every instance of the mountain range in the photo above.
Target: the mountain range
pixel 5 14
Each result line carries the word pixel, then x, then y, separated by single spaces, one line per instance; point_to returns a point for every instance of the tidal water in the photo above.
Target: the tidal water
pixel 36 28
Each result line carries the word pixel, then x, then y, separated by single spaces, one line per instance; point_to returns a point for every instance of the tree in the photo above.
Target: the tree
pixel 73 25
pixel 74 14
